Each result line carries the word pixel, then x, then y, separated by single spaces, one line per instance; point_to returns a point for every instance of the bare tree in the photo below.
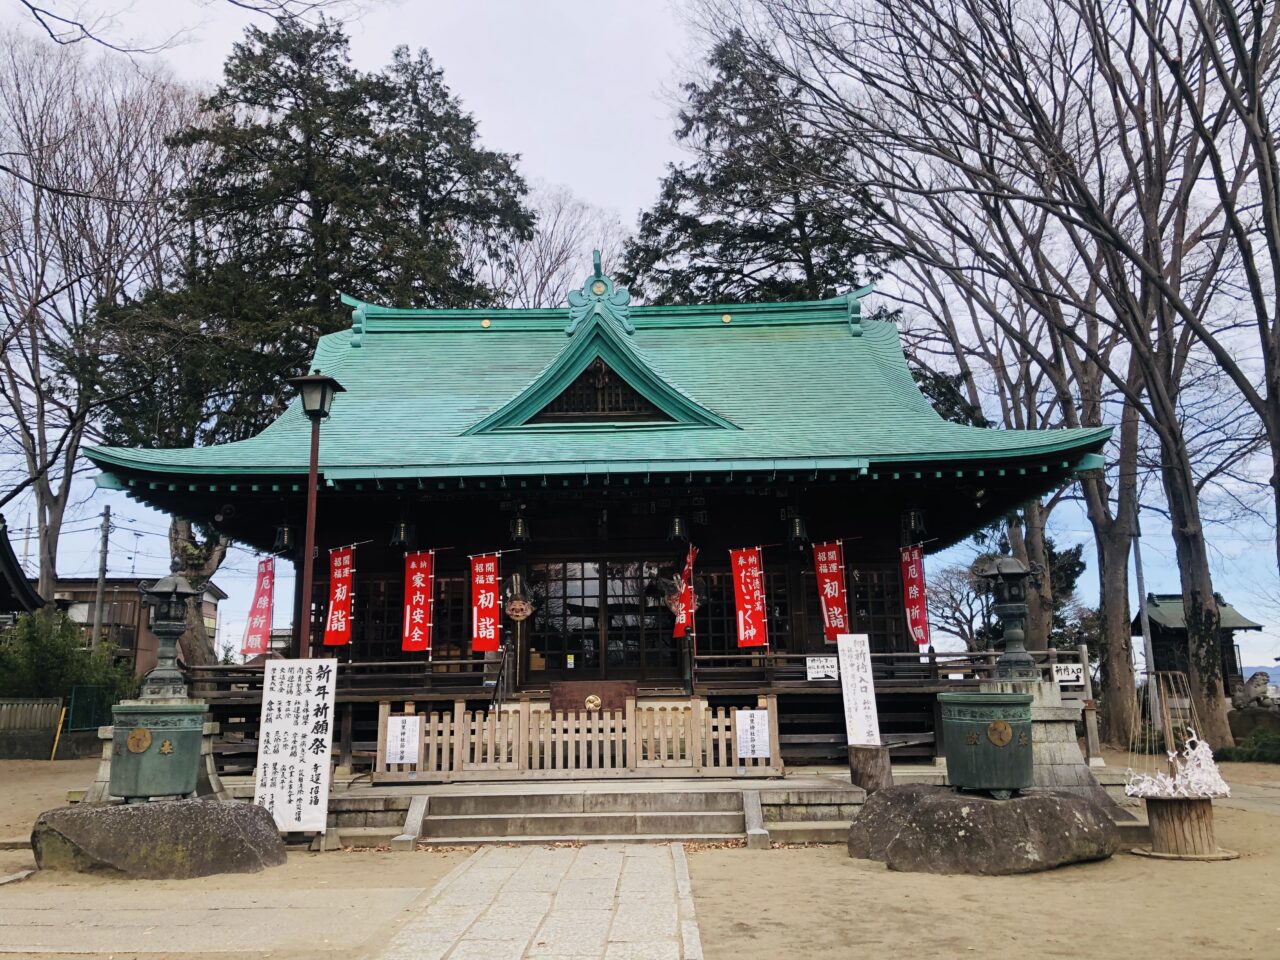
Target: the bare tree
pixel 542 270
pixel 83 224
pixel 1051 128
pixel 67 24
pixel 960 604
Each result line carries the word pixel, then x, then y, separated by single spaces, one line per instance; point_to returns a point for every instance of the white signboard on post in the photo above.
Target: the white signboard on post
pixel 821 668
pixel 753 733
pixel 1069 674
pixel 295 738
pixel 861 722
pixel 404 731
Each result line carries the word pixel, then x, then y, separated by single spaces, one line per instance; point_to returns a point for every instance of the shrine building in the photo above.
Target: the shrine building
pixel 591 445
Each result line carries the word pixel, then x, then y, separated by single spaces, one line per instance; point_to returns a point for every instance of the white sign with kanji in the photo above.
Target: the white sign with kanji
pixel 753 733
pixel 1069 674
pixel 821 668
pixel 295 738
pixel 404 731
pixel 862 723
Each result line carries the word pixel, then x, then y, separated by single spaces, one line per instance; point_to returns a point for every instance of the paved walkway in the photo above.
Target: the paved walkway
pixel 616 902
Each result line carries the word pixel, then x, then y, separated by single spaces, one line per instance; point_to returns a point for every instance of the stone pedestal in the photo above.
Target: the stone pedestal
pixel 1057 763
pixel 208 784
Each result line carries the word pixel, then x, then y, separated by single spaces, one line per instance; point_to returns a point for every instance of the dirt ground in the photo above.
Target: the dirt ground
pixel 29 787
pixel 1124 907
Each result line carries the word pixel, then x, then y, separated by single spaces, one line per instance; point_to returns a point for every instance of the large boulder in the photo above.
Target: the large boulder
pixel 927 829
pixel 167 839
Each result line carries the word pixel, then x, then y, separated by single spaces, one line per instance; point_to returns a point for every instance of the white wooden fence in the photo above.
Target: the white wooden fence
pixel 529 741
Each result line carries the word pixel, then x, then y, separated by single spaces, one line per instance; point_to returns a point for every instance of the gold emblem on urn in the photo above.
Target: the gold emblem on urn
pixel 1000 733
pixel 139 739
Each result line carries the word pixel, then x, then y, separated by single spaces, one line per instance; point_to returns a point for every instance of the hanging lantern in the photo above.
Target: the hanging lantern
pixel 677 530
pixel 520 529
pixel 913 524
pixel 284 539
pixel 403 535
pixel 797 532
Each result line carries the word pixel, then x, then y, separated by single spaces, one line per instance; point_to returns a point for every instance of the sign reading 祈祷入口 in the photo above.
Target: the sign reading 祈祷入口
pixel 862 724
pixel 294 740
pixel 1069 674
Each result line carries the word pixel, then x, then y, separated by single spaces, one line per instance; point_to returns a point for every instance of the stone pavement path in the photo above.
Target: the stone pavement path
pixel 610 901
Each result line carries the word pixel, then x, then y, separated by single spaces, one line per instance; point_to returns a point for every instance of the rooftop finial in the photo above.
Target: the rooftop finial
pixel 599 296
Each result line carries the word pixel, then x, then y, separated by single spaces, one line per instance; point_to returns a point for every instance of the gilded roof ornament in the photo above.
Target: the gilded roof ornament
pixel 599 296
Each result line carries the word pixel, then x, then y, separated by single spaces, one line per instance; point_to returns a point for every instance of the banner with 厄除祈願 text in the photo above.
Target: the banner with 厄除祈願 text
pixel 748 595
pixel 295 739
pixel 257 632
pixel 419 600
pixel 914 601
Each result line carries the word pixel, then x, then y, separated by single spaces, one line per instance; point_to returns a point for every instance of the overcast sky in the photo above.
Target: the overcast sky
pixel 581 90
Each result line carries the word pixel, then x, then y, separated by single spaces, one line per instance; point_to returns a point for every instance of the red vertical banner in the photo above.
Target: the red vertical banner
pixel 748 595
pixel 913 596
pixel 337 625
pixel 257 632
pixel 419 600
pixel 828 560
pixel 484 603
pixel 684 606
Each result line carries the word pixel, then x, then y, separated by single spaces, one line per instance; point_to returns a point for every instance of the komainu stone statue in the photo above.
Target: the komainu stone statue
pixel 1254 694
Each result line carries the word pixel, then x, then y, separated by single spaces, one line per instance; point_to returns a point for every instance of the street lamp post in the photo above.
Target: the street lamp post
pixel 316 392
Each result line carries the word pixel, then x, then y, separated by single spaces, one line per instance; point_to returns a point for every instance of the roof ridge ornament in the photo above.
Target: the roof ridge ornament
pixel 853 304
pixel 599 297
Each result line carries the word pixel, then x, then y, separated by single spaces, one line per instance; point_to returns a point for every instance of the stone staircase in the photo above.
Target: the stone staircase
pixel 583 816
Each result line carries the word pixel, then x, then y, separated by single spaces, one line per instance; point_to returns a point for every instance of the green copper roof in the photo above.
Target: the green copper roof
pixel 447 393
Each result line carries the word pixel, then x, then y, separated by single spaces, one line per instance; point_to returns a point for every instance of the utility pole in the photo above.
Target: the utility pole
pixel 1152 694
pixel 102 577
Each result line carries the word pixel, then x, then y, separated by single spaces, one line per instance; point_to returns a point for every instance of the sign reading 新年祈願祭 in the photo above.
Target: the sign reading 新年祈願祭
pixel 294 742
pixel 862 723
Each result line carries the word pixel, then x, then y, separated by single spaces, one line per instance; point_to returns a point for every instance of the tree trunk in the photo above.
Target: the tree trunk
pixel 1200 607
pixel 1119 707
pixel 1040 596
pixel 869 767
pixel 197 561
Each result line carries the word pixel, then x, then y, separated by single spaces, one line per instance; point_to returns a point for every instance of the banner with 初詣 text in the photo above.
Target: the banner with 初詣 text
pixel 295 740
pixel 257 632
pixel 684 609
pixel 748 595
pixel 913 596
pixel 828 559
pixel 419 600
pixel 484 603
pixel 337 625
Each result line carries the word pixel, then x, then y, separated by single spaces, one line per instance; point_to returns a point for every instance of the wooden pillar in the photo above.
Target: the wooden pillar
pixel 869 767
pixel 344 742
